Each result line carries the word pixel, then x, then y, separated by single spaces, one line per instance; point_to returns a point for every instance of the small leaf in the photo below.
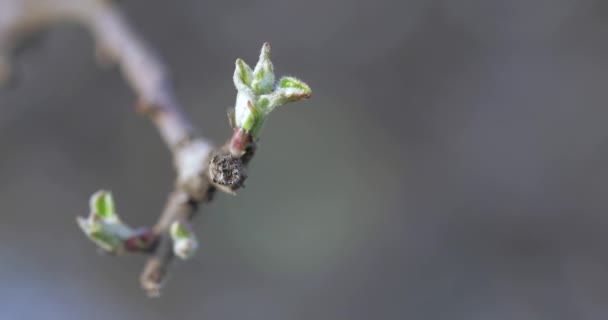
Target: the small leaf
pixel 94 230
pixel 263 74
pixel 106 241
pixel 282 96
pixel 291 82
pixel 102 204
pixel 242 76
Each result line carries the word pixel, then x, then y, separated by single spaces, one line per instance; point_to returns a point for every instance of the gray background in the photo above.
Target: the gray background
pixel 452 164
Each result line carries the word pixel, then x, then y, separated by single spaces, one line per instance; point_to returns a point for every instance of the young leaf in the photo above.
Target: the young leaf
pixel 291 82
pixel 102 204
pixel 242 76
pixel 263 74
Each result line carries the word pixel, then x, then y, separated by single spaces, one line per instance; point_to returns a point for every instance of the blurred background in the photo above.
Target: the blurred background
pixel 452 164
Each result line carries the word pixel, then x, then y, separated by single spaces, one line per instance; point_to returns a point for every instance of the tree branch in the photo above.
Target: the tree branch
pixel 201 168
pixel 179 207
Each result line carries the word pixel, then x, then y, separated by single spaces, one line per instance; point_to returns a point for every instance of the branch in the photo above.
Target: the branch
pixel 115 42
pixel 201 168
pixel 179 207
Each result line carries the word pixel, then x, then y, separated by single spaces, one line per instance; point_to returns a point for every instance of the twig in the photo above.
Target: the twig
pixel 201 168
pixel 147 75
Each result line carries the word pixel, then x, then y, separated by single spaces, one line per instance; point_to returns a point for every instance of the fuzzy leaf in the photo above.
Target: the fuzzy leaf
pixel 291 82
pixel 263 74
pixel 242 77
pixel 285 95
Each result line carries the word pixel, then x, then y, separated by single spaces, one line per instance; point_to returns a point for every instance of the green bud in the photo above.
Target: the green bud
pixel 184 240
pixel 258 94
pixel 103 226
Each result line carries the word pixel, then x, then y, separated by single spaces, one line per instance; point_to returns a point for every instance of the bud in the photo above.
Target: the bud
pixel 103 226
pixel 258 94
pixel 184 240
